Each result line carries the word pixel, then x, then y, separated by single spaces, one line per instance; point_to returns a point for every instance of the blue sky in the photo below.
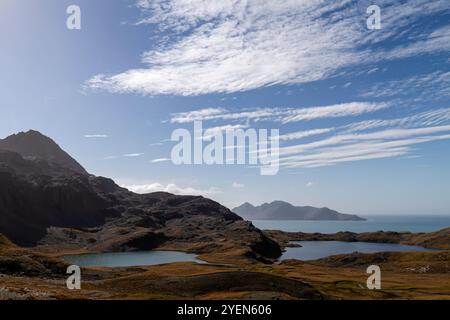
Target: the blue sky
pixel 364 115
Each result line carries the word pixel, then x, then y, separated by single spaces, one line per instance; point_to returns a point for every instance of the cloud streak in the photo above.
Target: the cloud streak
pixel 160 160
pixel 93 136
pixel 132 155
pixel 282 115
pixel 362 146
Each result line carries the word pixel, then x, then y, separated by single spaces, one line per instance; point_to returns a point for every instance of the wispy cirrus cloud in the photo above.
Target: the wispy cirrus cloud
pixel 93 136
pixel 159 160
pixel 364 140
pixel 348 147
pixel 231 46
pixel 384 135
pixel 282 115
pixel 304 134
pixel 427 118
pixel 333 111
pixel 429 86
pixel 127 155
pixel 357 152
pixel 132 155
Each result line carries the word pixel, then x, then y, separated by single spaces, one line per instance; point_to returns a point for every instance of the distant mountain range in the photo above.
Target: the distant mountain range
pixel 280 210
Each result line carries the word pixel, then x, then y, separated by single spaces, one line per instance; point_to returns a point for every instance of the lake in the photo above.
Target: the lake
pixel 373 223
pixel 312 250
pixel 130 259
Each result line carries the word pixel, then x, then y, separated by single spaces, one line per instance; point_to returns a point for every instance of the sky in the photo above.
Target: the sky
pixel 363 114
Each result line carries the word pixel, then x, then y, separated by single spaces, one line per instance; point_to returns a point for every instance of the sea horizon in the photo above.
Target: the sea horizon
pixel 397 223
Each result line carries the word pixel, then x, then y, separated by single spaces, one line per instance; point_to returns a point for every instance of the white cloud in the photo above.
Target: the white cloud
pixel 365 140
pixel 304 134
pixel 110 157
pixel 346 85
pixel 91 136
pixel 191 116
pixel 238 185
pixel 357 147
pixel 133 155
pixel 211 132
pixel 228 46
pixel 427 118
pixel 171 188
pixel 373 70
pixel 334 111
pixel 429 86
pixel 438 40
pixel 156 144
pixel 283 115
pixel 160 160
pixel 309 184
pixel 375 137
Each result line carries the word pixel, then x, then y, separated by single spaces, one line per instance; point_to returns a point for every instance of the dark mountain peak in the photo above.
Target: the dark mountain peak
pixel 34 145
pixel 28 136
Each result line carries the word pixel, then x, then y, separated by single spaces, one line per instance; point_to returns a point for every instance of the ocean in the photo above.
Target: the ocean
pixel 373 223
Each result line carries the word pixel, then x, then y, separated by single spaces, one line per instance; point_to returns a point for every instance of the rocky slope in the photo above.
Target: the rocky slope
pixel 47 200
pixel 35 194
pixel 34 145
pixel 280 210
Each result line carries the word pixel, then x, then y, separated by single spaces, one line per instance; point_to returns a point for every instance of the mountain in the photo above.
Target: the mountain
pixel 48 199
pixel 280 210
pixel 33 145
pixel 36 194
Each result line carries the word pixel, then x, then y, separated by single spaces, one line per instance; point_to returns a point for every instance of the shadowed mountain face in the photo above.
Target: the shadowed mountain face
pixel 47 198
pixel 36 194
pixel 280 210
pixel 34 145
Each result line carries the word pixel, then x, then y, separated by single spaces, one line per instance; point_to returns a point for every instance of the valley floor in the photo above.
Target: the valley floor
pixel 31 274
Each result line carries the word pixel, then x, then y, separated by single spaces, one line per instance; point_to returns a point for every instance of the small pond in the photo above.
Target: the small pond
pixel 130 259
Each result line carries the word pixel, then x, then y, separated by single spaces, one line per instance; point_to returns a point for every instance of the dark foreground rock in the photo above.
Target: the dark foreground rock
pixel 46 198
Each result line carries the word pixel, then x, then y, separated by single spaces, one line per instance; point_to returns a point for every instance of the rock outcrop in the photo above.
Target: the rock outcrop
pixel 49 200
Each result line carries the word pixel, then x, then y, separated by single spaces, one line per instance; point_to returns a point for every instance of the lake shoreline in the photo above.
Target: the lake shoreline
pixel 233 274
pixel 432 240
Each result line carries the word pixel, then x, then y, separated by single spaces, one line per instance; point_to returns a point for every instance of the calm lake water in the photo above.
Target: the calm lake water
pixel 373 223
pixel 312 250
pixel 129 259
